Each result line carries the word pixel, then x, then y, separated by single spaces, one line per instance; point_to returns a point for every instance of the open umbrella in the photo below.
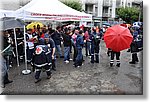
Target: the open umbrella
pixel 11 24
pixel 118 38
pixel 31 25
pixel 107 24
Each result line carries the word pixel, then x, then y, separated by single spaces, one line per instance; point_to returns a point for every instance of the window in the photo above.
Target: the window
pixel 128 4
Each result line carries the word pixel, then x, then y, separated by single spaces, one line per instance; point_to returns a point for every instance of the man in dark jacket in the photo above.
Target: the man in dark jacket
pixel 50 43
pixel 79 45
pixel 56 36
pixel 67 44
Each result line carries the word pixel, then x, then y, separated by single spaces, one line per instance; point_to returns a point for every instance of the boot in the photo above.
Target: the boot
pixel 136 58
pixel 37 80
pixel 131 62
pixel 133 59
pixel 118 65
pixel 111 64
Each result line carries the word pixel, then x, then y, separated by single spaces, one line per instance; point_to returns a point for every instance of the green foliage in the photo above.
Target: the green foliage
pixel 128 14
pixel 75 4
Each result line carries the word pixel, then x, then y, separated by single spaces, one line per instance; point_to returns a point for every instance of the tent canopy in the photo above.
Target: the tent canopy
pixel 6 13
pixel 50 10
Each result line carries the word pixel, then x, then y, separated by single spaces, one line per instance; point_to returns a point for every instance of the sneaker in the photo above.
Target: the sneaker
pixel 131 62
pixel 89 56
pixel 37 80
pixel 66 61
pixel 3 86
pixel 10 66
pixel 78 66
pixel 137 60
pixel 96 61
pixel 128 50
pixel 70 59
pixel 9 81
pixel 92 62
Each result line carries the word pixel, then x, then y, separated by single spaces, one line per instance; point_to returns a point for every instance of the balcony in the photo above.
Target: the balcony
pixel 91 1
pixel 92 13
pixel 106 15
pixel 107 3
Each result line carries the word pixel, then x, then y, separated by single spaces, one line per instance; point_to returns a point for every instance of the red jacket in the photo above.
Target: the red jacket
pixel 86 36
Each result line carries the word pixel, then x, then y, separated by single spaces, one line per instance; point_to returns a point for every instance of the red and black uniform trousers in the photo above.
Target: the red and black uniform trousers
pixel 95 50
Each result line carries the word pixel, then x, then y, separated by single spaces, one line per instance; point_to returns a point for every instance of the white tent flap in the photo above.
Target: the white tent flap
pixel 51 10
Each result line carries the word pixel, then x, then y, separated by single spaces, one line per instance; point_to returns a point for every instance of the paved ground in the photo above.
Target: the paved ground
pixel 88 79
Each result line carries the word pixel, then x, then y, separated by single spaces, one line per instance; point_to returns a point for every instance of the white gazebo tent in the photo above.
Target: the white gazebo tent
pixel 52 10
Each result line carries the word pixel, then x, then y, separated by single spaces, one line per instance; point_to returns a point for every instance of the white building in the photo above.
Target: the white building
pixel 107 8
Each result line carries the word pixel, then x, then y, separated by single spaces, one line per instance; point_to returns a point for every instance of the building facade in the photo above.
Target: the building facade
pixel 107 8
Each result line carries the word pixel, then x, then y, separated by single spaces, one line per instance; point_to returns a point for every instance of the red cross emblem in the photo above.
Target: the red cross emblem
pixel 38 50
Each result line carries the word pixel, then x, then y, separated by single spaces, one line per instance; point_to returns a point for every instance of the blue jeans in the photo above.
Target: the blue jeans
pixel 66 53
pixel 88 48
pixel 59 50
pixel 92 53
pixel 79 57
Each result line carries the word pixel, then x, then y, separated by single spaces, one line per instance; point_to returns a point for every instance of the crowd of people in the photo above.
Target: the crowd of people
pixel 44 46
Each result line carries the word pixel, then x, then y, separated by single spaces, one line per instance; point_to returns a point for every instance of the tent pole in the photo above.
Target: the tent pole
pixel 26 71
pixel 16 47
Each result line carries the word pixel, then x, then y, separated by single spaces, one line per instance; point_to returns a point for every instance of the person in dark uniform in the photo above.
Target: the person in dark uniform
pixel 41 59
pixel 134 48
pixel 95 42
pixel 20 44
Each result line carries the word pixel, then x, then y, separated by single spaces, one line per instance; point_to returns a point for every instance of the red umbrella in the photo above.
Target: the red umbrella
pixel 118 38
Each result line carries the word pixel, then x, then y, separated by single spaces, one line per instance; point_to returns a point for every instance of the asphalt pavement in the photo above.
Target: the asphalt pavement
pixel 89 79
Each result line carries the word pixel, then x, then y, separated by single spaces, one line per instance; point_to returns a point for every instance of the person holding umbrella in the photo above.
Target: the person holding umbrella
pixel 117 38
pixel 112 56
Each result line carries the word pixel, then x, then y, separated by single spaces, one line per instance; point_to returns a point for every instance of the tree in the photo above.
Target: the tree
pixel 128 14
pixel 75 4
